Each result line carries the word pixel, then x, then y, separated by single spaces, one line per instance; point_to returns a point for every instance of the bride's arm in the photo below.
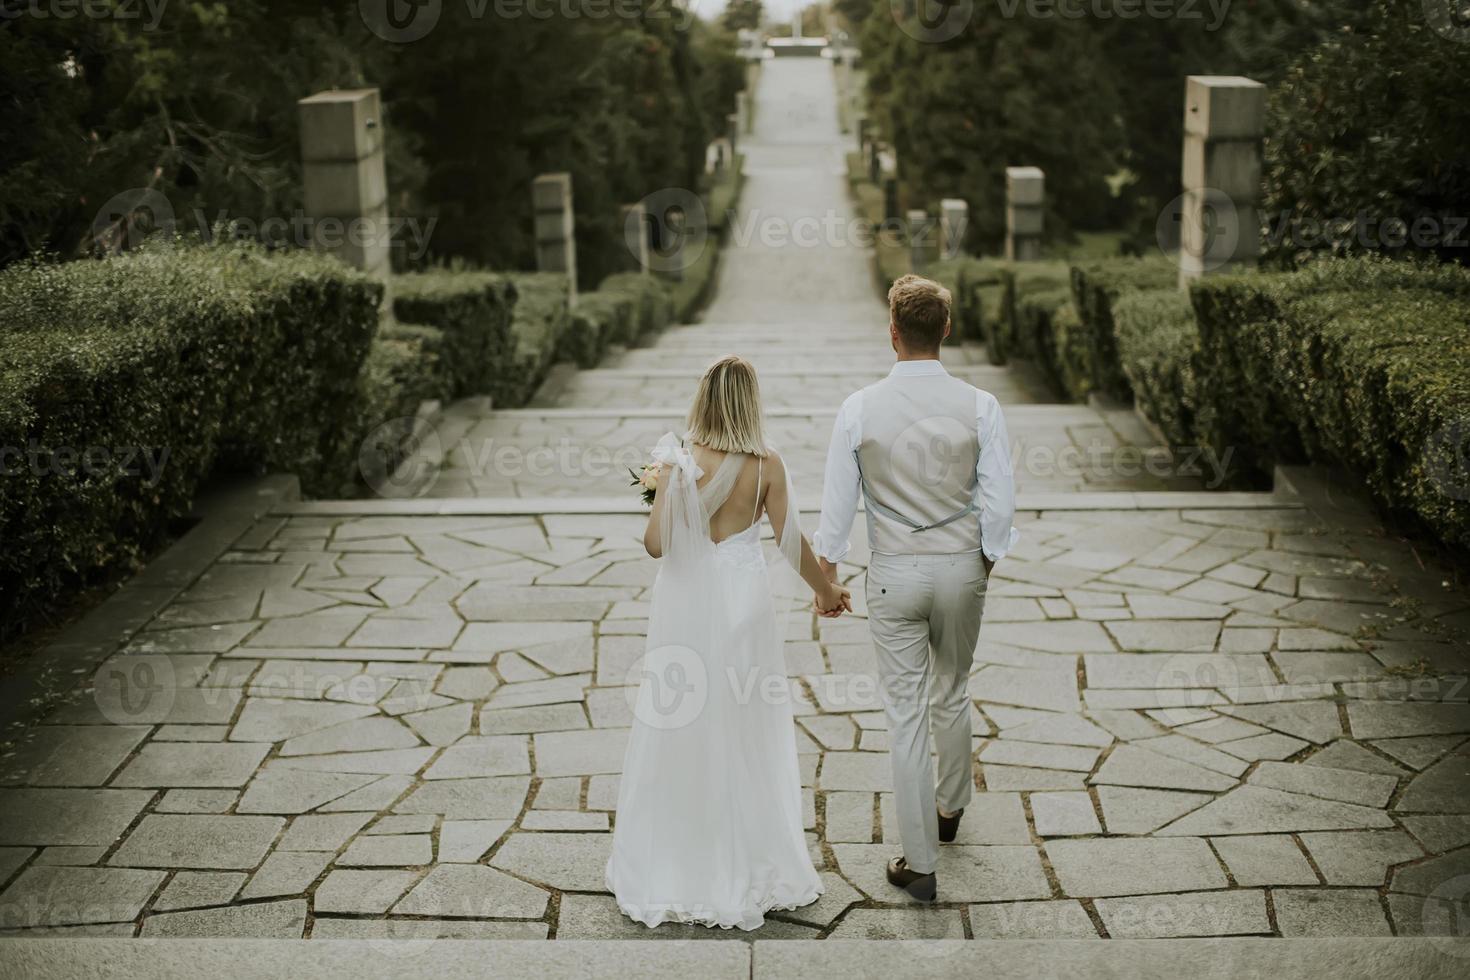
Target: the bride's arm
pixel 653 533
pixel 829 594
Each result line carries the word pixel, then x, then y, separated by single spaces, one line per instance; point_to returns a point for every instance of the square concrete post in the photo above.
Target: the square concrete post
pixel 919 230
pixel 745 109
pixel 1224 120
pixel 1025 197
pixel 556 244
pixel 732 128
pixel 345 185
pixel 954 218
pixel 635 235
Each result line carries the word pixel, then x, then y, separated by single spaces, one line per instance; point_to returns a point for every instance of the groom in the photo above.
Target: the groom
pixel 929 455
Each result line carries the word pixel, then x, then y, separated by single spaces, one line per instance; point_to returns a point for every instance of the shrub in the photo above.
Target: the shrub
pixel 1096 287
pixel 223 357
pixel 537 324
pixel 599 319
pixel 1019 279
pixel 1157 341
pixel 1364 362
pixel 653 308
pixel 1037 314
pixel 473 309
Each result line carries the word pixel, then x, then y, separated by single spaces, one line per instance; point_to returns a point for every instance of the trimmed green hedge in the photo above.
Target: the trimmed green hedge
pixel 599 319
pixel 473 309
pixel 653 305
pixel 1096 287
pixel 208 358
pixel 1041 317
pixel 975 285
pixel 1365 362
pixel 540 317
pixel 1157 341
pixel 1019 279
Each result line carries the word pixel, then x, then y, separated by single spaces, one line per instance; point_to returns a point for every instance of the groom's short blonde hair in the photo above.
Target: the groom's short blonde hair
pixel 920 311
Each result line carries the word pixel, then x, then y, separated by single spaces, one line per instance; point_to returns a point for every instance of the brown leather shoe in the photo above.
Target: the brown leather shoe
pixel 922 887
pixel 950 826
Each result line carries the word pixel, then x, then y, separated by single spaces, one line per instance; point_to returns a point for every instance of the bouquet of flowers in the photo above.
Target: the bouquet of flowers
pixel 647 480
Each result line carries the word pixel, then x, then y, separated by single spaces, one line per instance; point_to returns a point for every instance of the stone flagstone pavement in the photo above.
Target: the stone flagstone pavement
pixel 1195 714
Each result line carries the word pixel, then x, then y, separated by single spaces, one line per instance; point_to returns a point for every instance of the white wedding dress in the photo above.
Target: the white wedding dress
pixel 709 819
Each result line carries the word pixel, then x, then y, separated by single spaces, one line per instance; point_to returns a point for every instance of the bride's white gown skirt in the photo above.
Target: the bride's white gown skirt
pixel 709 821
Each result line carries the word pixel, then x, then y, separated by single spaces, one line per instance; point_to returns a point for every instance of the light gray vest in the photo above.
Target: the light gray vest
pixel 917 457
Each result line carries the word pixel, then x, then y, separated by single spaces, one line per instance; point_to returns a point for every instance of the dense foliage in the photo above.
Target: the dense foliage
pixel 201 109
pixel 127 382
pixel 1366 142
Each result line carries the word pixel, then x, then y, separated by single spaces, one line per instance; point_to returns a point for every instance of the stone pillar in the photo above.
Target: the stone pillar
pixel 732 126
pixel 1224 120
pixel 745 109
pixel 556 245
pixel 1025 192
pixel 954 218
pixel 635 235
pixel 345 187
pixel 875 162
pixel 919 231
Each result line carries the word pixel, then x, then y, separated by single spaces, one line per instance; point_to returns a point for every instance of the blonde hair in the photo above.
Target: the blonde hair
pixel 920 310
pixel 726 414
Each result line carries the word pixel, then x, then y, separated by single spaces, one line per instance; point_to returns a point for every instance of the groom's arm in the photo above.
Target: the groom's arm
pixel 840 489
pixel 997 481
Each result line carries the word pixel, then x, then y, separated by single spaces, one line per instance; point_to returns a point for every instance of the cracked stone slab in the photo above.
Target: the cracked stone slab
pixel 198 841
pixel 1129 765
pixel 287 791
pixel 361 892
pixel 1360 857
pixel 68 816
pixel 388 850
pixel 1330 912
pixel 1057 919
pixel 469 799
pixel 265 920
pixel 70 755
pixel 1265 859
pixel 568 861
pixel 195 889
pixel 909 923
pixel 1116 866
pixel 286 873
pixel 473 891
pixel 1258 810
pixel 1064 814
pixel 1164 916
pixel 192 764
pixel 1347 786
pixel 59 896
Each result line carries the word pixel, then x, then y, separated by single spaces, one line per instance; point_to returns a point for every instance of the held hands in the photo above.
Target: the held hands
pixel 832 601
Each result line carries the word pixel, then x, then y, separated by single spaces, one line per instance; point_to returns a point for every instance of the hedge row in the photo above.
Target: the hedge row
pixel 1096 287
pixel 197 359
pixel 1365 362
pixel 472 311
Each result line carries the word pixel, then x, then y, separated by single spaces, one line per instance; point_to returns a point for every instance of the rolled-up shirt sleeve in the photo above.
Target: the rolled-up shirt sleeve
pixel 840 485
pixel 996 481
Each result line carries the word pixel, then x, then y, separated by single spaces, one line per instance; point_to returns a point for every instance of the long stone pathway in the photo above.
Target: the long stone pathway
pixel 1195 714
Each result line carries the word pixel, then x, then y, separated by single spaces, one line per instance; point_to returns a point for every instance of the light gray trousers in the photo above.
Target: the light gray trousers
pixel 924 612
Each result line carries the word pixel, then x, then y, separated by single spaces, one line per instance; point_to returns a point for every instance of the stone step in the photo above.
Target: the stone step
pixel 1032 501
pixel 744 956
pixel 780 387
pixel 767 358
pixel 587 451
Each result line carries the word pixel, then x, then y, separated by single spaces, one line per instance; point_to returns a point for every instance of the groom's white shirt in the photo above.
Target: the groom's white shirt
pixel 995 493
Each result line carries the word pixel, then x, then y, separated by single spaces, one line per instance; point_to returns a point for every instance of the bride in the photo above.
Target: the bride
pixel 709 818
